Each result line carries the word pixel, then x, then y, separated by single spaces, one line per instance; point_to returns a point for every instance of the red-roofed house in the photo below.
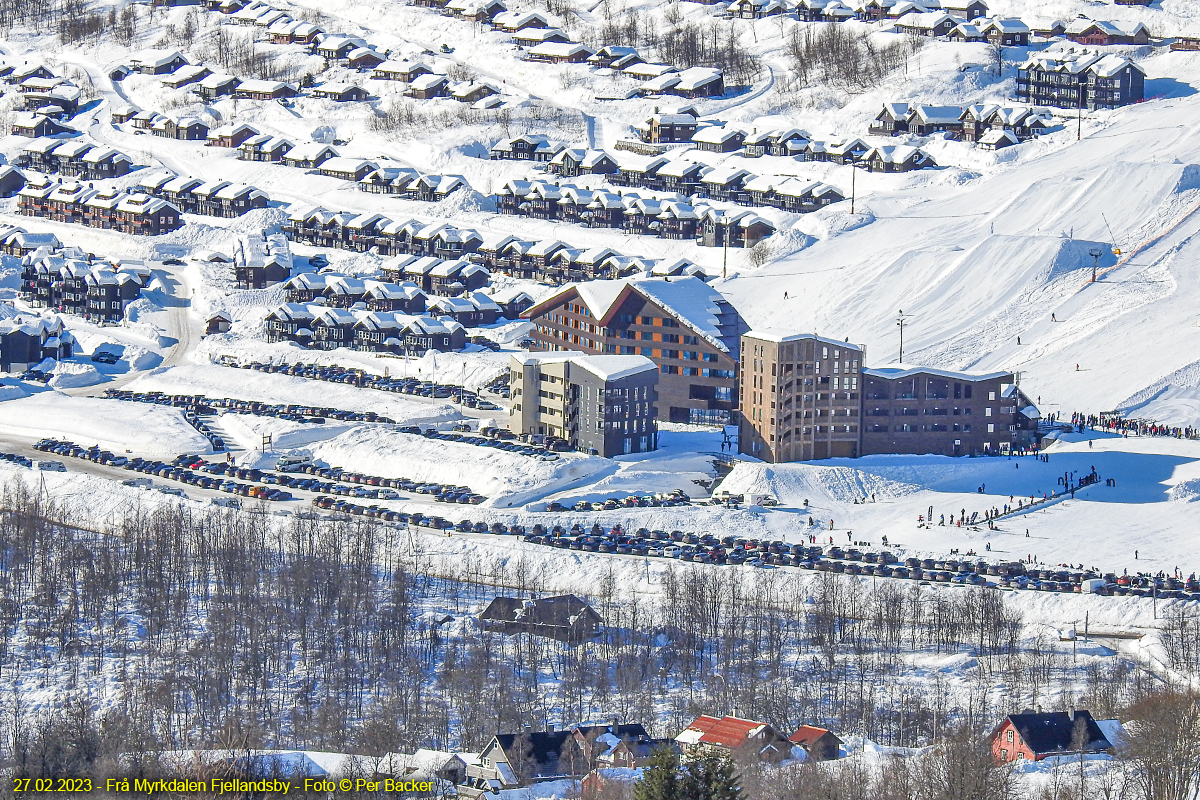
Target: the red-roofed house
pixel 819 743
pixel 744 738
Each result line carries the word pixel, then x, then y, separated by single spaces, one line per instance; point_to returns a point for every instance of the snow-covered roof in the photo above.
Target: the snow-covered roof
pixel 557 49
pixel 896 371
pixel 715 134
pixel 780 335
pixel 647 70
pixel 155 57
pixel 690 299
pixel 695 77
pixel 258 86
pixel 217 80
pixel 998 137
pixel 612 368
pixel 1104 66
pixel 427 82
pixel 309 151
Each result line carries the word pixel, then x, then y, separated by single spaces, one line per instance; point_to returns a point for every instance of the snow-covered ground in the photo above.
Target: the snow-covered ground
pixel 120 427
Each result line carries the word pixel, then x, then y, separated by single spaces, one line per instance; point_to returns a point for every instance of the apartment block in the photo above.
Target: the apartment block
pixel 600 404
pixel 800 396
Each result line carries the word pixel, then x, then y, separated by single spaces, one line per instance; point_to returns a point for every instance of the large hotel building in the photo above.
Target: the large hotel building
pixel 805 397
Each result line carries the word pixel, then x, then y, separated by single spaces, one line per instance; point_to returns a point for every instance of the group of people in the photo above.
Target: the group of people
pixel 1132 427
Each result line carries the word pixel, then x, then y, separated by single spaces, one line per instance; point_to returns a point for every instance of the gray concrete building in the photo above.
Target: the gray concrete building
pixel 601 404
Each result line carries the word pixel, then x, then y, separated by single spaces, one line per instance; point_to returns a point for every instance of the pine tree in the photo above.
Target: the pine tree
pixel 660 779
pixel 710 777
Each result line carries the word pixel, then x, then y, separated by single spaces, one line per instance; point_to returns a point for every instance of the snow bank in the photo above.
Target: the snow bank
pixel 12 391
pixel 146 430
pixel 246 384
pixel 248 430
pixel 1174 400
pixel 792 484
pixel 507 479
pixel 73 375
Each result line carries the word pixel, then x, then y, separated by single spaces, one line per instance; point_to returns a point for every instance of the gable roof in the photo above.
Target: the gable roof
pixel 1054 731
pixel 807 735
pixel 691 300
pixel 560 611
pixel 730 732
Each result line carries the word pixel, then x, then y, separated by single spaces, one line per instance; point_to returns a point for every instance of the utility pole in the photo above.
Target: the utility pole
pixel 725 255
pixel 853 175
pixel 900 320
pixel 1079 113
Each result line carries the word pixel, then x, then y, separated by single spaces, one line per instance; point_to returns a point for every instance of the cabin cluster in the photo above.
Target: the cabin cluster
pixel 73 282
pixel 178 73
pixel 409 183
pixel 41 92
pixel 116 209
pixel 321 327
pixel 214 198
pixel 668 215
pixel 536 34
pixel 16 241
pixel 696 180
pixel 469 307
pixel 555 263
pixel 378 234
pixel 989 126
pixel 185 128
pixel 423 82
pixel 74 158
pixel 607 758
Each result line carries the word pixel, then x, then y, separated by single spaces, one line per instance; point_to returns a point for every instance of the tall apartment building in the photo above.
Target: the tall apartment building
pixel 601 404
pixel 683 325
pixel 805 398
pixel 799 397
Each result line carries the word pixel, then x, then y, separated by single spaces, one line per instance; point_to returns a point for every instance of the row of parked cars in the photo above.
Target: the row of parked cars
pixel 182 469
pixel 198 404
pixel 707 549
pixel 374 511
pixel 656 500
pixel 332 480
pixel 366 380
pixel 24 461
pixel 498 443
pixel 214 439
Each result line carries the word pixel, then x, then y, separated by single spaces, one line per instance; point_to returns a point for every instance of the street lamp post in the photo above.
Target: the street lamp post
pixel 900 320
